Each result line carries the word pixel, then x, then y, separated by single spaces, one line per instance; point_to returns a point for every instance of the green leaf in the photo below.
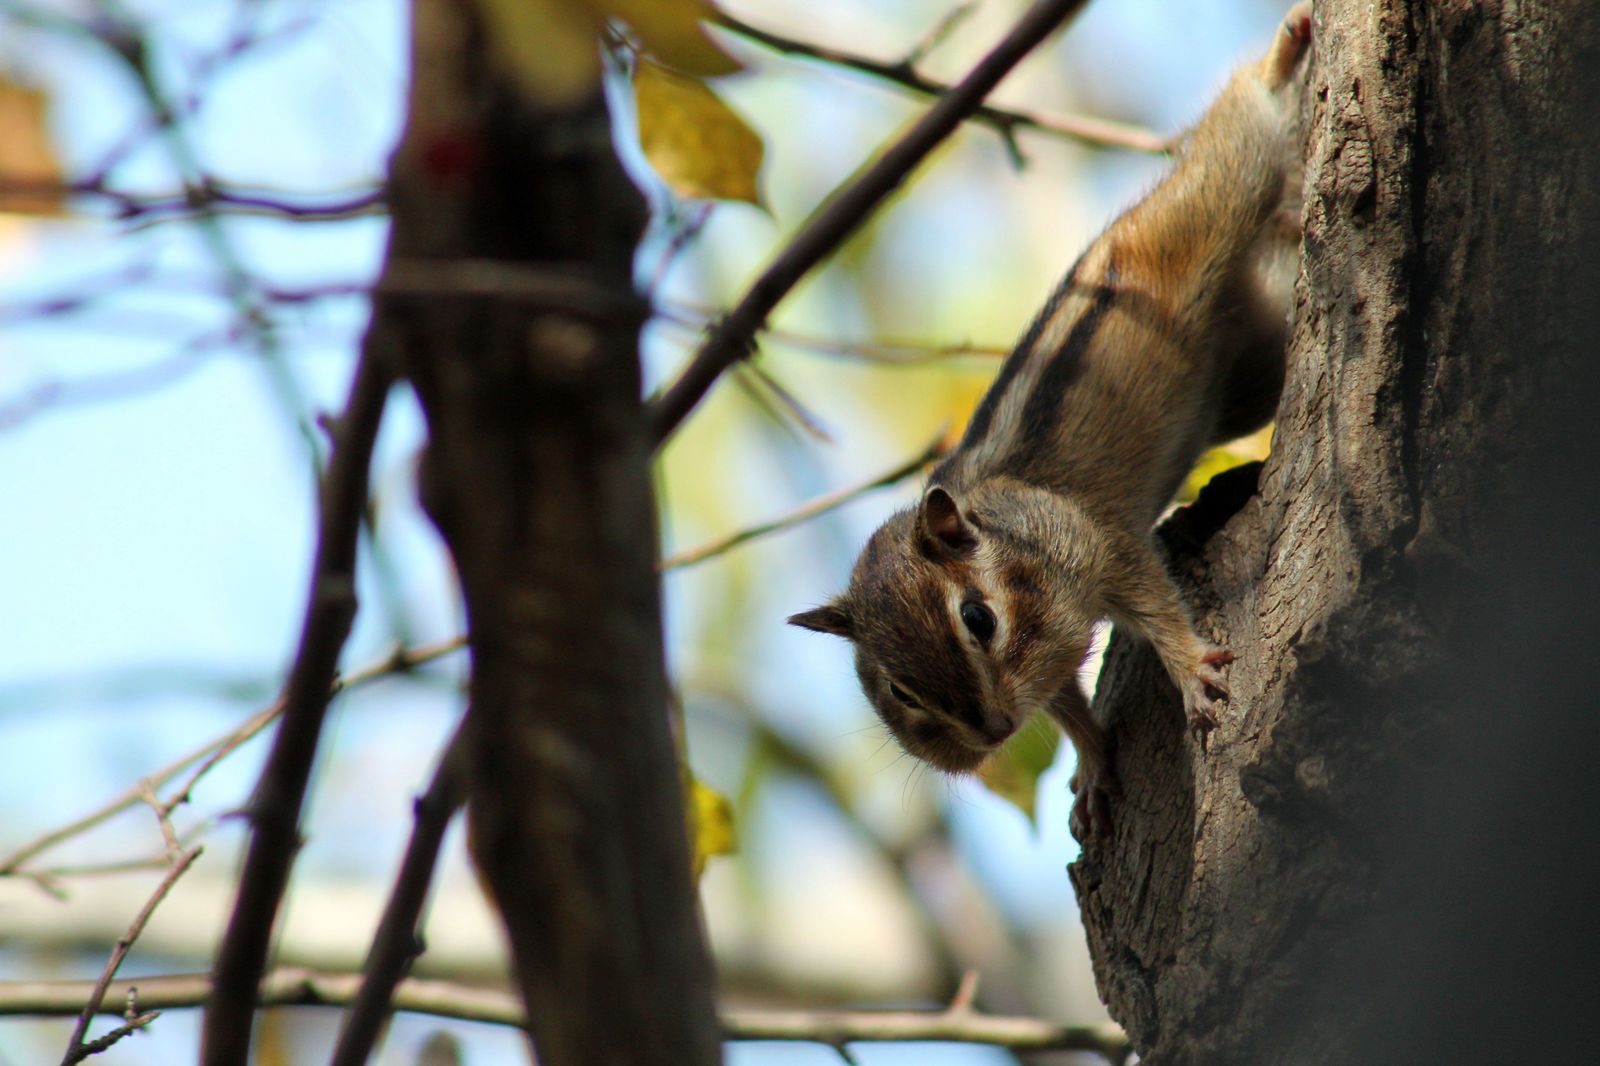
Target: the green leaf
pixel 696 143
pixel 1013 772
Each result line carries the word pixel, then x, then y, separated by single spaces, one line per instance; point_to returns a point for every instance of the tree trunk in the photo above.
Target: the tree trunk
pixel 508 289
pixel 1317 886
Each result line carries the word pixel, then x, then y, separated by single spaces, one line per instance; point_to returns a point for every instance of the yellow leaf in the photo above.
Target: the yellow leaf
pixel 1237 453
pixel 551 47
pixel 697 143
pixel 711 822
pixel 30 174
pixel 671 32
pixel 1013 772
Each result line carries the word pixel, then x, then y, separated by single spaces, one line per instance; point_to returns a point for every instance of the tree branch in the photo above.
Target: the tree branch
pixel 934 449
pixel 1084 129
pixel 294 987
pixel 732 338
pixel 894 352
pixel 209 198
pixel 77 1050
pixel 398 940
pixel 274 809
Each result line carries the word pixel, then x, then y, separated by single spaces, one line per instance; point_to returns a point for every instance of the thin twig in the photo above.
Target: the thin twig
pixel 966 997
pixel 934 449
pixel 127 41
pixel 731 338
pixel 102 1043
pixel 210 754
pixel 274 808
pixel 892 351
pixel 788 403
pixel 398 939
pixel 77 1050
pixel 939 32
pixel 1084 129
pixel 209 198
pixel 294 987
pixel 163 813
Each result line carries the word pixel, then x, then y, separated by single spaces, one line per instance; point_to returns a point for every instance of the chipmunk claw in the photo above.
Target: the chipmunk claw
pixel 1294 35
pixel 1206 685
pixel 1091 806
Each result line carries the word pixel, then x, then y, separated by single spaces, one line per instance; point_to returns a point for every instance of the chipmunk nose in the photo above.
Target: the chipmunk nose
pixel 998 727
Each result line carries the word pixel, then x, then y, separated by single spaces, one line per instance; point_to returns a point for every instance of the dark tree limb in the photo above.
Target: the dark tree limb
pixel 398 940
pixel 537 474
pixel 732 338
pixel 274 808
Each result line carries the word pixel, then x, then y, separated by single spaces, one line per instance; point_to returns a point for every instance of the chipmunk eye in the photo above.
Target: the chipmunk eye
pixel 979 621
pixel 901 694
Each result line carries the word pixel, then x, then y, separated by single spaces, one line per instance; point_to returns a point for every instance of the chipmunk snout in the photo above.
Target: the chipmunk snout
pixel 998 727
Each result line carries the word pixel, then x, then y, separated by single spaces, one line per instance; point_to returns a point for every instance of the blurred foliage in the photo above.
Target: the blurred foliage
pixel 552 46
pixel 711 816
pixel 27 157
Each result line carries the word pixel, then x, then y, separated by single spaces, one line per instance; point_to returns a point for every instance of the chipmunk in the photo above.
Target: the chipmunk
pixel 976 607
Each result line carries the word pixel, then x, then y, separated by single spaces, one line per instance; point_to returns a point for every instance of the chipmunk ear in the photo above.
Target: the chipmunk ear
pixel 829 618
pixel 941 519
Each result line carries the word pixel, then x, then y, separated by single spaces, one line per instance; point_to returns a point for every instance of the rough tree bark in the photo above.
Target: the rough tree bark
pixel 1253 904
pixel 508 291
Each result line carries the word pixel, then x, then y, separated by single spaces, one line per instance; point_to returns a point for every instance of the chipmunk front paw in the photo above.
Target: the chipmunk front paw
pixel 1204 686
pixel 1093 792
pixel 1294 34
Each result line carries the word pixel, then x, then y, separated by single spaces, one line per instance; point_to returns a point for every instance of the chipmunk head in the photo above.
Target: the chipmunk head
pixel 965 619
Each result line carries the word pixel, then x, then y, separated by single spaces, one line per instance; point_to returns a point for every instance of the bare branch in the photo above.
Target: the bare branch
pixel 891 351
pixel 274 809
pixel 117 385
pixel 209 198
pixel 101 1043
pixel 1084 129
pixel 939 32
pixel 163 813
pixel 293 987
pixel 209 755
pixel 527 285
pixel 788 405
pixel 77 1050
pixel 934 449
pixel 732 338
pixel 398 940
